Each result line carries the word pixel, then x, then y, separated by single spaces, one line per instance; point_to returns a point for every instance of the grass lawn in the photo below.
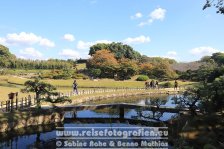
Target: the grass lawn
pixel 14 84
pixel 4 91
pixel 103 83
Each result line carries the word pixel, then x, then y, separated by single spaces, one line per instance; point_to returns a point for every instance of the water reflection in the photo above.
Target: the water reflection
pixel 156 101
pixel 141 114
pixel 45 138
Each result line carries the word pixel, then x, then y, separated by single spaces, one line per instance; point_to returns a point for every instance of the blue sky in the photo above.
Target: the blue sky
pixel 46 29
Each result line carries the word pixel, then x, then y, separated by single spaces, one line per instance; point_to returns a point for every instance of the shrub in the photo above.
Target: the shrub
pixel 62 76
pixel 168 85
pixel 80 76
pixel 57 74
pixel 94 72
pixel 142 78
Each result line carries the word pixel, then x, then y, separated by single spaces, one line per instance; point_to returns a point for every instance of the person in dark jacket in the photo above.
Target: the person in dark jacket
pixel 75 87
pixel 175 85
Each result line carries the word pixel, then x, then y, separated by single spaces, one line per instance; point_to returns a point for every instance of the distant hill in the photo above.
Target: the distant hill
pixel 187 66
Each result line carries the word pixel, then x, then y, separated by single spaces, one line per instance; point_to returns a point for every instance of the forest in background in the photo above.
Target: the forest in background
pixel 117 61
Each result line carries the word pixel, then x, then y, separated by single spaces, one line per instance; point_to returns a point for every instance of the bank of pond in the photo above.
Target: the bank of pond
pixel 44 136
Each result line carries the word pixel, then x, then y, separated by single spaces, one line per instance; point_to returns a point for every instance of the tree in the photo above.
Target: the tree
pixel 218 58
pixel 119 49
pixel 8 60
pixel 4 52
pixel 127 69
pixel 163 70
pixel 206 72
pixel 207 96
pixel 154 60
pixel 94 72
pixel 5 57
pixel 146 69
pixel 105 61
pixel 189 99
pixel 97 47
pixel 42 88
pixel 216 3
pixel 213 94
pixel 155 114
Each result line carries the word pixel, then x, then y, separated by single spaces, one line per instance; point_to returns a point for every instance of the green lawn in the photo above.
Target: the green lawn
pixel 14 84
pixel 109 83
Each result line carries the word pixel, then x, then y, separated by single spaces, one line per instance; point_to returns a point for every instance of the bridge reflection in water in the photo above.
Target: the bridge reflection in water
pixel 145 111
pixel 118 112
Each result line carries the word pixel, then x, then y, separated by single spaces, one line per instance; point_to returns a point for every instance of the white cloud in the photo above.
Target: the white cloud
pixel 103 41
pixel 86 45
pixel 69 37
pixel 22 57
pixel 69 53
pixel 203 51
pixel 24 38
pixel 2 41
pixel 171 54
pixel 145 23
pixel 157 14
pixel 137 15
pixel 137 40
pixel 30 53
pixel 46 43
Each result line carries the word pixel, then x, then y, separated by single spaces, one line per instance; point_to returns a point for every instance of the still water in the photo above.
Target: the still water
pixel 46 136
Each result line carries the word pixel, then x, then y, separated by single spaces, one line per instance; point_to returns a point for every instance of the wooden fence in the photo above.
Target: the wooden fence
pixel 16 104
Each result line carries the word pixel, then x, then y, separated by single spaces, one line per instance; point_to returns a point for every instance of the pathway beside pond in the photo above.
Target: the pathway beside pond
pixel 84 96
pixel 97 96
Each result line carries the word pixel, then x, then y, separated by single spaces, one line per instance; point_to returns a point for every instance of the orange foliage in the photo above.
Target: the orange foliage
pixel 146 66
pixel 103 58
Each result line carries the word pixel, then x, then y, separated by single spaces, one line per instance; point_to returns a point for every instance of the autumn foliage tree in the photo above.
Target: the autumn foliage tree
pixel 163 70
pixel 105 61
pixel 159 70
pixel 127 68
pixel 122 61
pixel 146 69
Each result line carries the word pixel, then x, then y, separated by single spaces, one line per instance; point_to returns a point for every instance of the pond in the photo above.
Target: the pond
pixel 45 138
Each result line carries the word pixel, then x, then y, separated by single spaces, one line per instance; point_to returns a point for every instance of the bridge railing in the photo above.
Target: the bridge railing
pixel 92 91
pixel 26 102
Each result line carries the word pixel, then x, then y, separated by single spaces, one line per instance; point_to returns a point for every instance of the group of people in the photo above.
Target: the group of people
pixel 152 84
pixel 155 84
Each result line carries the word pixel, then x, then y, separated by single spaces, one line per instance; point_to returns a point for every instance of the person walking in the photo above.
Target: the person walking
pixel 157 84
pixel 75 87
pixel 175 85
pixel 146 85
